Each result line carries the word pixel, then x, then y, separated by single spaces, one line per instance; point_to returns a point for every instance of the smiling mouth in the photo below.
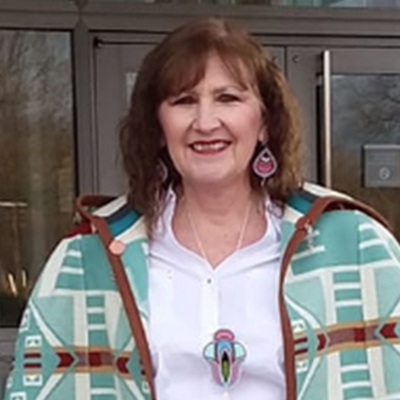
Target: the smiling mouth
pixel 215 146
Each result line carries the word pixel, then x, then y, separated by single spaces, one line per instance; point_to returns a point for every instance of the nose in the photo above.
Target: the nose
pixel 206 118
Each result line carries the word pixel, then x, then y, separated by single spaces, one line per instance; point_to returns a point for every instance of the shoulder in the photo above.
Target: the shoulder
pixel 109 208
pixel 81 254
pixel 337 230
pixel 302 200
pixel 336 213
pixel 315 201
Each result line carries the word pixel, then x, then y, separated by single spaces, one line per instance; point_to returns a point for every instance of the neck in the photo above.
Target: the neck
pixel 217 222
pixel 218 203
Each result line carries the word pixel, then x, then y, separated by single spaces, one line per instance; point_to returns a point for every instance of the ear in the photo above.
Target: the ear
pixel 263 135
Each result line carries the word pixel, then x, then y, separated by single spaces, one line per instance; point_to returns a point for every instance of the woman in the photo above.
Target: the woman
pixel 210 281
pixel 217 97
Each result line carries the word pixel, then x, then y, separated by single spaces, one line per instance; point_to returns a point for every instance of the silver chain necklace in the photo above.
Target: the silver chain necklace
pixel 197 236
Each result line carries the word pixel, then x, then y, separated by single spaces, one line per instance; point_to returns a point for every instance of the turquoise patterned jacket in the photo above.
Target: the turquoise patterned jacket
pixel 340 301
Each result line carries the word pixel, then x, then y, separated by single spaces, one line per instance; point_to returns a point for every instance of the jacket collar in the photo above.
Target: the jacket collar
pixel 127 225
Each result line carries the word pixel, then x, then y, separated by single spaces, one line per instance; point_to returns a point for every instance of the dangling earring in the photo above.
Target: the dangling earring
pixel 265 164
pixel 162 170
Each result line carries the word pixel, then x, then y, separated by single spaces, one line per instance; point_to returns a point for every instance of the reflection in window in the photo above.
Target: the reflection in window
pixel 37 159
pixel 366 111
pixel 339 3
pixel 281 3
pixel 130 79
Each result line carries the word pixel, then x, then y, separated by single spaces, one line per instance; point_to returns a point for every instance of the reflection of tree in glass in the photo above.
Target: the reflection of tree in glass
pixel 36 148
pixel 339 3
pixel 366 110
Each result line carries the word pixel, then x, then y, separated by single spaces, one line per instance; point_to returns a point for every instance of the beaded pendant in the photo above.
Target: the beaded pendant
pixel 224 355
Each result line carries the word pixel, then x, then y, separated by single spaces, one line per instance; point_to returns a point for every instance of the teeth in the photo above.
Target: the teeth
pixel 209 146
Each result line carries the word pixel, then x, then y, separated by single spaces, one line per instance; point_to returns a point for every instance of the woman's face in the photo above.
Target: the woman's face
pixel 212 129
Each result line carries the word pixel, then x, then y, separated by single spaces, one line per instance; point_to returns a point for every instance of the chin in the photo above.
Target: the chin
pixel 214 179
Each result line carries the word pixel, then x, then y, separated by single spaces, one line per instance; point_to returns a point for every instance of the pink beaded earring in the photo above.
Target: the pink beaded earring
pixel 265 164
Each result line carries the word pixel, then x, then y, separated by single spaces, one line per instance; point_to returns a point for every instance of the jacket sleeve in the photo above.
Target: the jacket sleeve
pixel 45 326
pixel 74 341
pixel 379 259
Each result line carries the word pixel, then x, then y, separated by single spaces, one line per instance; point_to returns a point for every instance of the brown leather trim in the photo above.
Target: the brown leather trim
pixel 288 341
pixel 322 204
pixel 91 200
pixel 330 203
pixel 131 309
pixel 319 207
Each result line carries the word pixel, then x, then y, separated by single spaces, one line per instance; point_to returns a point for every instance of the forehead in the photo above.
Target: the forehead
pixel 183 68
pixel 218 71
pixel 186 73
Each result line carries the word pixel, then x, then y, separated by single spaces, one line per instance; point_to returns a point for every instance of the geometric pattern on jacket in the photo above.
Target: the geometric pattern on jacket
pixel 341 291
pixel 343 296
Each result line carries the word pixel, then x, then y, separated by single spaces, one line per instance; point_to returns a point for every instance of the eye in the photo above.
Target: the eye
pixel 228 98
pixel 184 100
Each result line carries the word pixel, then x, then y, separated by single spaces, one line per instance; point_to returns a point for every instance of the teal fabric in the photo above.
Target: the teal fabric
pixel 341 292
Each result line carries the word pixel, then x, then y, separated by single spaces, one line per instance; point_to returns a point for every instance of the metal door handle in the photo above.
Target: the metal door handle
pixel 327 118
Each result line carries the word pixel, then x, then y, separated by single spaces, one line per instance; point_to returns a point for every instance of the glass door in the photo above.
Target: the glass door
pixel 116 66
pixel 117 60
pixel 37 170
pixel 351 100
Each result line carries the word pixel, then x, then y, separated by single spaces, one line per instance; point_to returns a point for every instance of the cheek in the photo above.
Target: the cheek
pixel 167 127
pixel 168 134
pixel 172 124
pixel 163 120
pixel 173 140
pixel 253 127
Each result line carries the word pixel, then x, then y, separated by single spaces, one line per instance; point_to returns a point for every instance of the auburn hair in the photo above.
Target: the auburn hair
pixel 177 64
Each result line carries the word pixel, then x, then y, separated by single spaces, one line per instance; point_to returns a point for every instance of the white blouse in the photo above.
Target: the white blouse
pixel 215 333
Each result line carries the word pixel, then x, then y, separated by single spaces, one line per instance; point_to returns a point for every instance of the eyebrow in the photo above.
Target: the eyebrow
pixel 227 87
pixel 217 90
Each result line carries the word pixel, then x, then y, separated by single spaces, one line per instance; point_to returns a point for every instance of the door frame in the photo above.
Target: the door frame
pixel 299 75
pixel 114 56
pixel 282 26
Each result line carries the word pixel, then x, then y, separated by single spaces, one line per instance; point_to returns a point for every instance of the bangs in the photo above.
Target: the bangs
pixel 186 66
